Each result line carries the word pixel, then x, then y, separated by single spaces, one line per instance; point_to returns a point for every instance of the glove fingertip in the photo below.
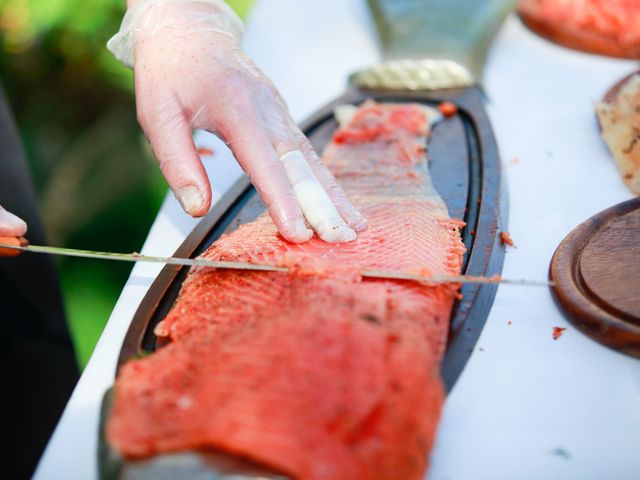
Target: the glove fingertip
pixel 298 233
pixel 292 228
pixel 352 216
pixel 337 234
pixel 193 201
pixel 359 223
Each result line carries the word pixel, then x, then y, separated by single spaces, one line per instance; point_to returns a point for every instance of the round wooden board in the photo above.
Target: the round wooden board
pixel 596 277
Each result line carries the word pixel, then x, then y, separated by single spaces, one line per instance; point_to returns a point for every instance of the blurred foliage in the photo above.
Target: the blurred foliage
pixel 97 183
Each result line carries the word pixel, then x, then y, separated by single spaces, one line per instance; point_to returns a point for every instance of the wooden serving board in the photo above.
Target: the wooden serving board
pixel 596 275
pixel 465 170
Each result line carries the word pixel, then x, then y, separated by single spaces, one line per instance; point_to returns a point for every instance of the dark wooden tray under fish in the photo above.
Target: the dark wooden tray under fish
pixel 465 169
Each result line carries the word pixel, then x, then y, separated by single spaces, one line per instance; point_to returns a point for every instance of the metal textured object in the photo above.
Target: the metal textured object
pixel 458 31
pixel 414 75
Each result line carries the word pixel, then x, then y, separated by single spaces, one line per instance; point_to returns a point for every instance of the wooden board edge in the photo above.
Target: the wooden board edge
pixel 568 291
pixel 488 253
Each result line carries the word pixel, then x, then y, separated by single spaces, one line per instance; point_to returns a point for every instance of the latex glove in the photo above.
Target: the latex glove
pixel 191 74
pixel 10 225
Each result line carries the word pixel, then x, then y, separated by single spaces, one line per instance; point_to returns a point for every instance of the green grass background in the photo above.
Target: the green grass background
pixel 97 183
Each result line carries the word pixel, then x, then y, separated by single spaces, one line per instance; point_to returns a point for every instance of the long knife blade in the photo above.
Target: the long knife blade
pixel 137 257
pixel 202 262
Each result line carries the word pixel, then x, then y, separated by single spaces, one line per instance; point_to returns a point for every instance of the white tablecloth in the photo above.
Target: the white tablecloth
pixel 526 406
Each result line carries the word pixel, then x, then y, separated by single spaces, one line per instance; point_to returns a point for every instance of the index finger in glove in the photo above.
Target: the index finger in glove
pixel 259 159
pixel 317 205
pixel 243 128
pixel 170 137
pixel 266 148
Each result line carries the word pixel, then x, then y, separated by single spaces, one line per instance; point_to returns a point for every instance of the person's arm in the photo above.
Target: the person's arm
pixel 10 225
pixel 190 73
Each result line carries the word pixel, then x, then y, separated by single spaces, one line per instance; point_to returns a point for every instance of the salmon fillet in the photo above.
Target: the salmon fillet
pixel 619 118
pixel 318 373
pixel 606 27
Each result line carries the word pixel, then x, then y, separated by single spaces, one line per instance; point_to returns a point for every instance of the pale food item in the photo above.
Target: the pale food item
pixel 619 119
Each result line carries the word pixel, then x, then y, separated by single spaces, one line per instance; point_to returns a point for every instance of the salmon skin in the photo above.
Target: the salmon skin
pixel 317 372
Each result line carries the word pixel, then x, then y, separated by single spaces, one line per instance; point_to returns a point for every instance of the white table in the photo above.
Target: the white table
pixel 526 406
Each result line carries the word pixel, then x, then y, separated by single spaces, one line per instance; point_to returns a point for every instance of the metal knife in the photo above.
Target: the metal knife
pixel 13 246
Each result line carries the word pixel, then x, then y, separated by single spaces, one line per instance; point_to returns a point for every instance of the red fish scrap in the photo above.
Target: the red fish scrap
pixel 506 239
pixel 448 109
pixel 557 332
pixel 204 151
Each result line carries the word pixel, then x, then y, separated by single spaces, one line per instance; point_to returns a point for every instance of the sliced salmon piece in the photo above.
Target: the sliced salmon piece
pixel 318 372
pixel 605 27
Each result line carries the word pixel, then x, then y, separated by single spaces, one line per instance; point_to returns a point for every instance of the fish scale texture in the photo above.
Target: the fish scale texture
pixel 318 373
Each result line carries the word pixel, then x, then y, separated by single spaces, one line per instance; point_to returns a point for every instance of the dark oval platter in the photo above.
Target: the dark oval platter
pixel 465 169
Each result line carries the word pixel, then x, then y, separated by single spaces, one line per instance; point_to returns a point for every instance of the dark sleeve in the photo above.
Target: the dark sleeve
pixel 37 362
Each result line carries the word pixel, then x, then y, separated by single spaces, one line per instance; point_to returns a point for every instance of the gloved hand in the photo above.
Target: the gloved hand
pixel 191 74
pixel 10 225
